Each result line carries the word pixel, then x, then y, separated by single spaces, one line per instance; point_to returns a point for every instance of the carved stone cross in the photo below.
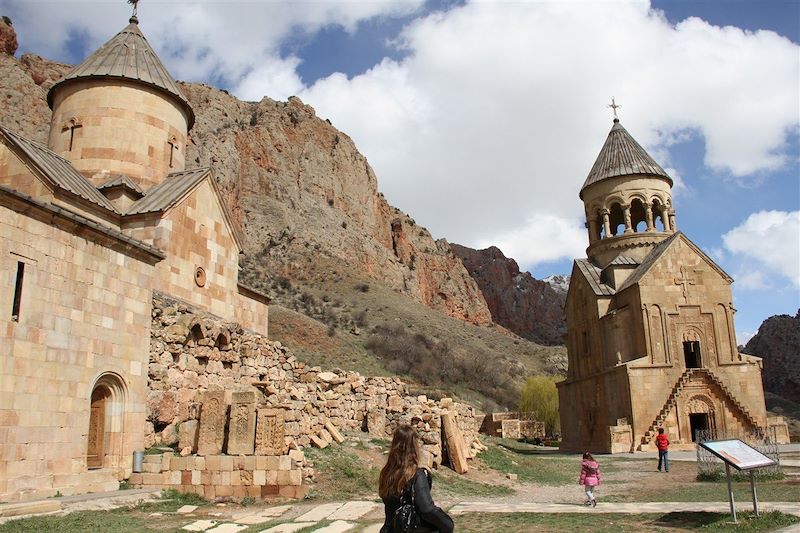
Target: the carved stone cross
pixel 71 125
pixel 173 145
pixel 685 281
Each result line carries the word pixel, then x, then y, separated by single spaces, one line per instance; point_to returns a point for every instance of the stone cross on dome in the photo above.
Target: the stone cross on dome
pixel 613 105
pixel 135 4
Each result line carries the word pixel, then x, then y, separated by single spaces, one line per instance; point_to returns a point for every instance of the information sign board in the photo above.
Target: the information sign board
pixel 738 454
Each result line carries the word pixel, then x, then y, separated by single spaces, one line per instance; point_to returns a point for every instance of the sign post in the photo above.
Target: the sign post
pixel 741 456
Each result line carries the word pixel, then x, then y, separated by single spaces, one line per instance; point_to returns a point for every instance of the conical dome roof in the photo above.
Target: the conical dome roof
pixel 621 155
pixel 129 56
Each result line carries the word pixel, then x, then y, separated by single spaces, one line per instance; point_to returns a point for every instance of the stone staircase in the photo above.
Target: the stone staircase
pixel 676 390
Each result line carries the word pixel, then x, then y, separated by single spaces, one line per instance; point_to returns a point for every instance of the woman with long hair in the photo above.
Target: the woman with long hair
pixel 400 479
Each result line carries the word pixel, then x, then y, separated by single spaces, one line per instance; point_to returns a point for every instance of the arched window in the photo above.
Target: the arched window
pixel 659 215
pixel 617 219
pixel 638 220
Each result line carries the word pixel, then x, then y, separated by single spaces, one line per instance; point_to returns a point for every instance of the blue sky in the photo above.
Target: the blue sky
pixel 482 119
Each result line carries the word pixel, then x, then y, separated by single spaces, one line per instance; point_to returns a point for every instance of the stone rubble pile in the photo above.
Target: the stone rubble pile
pixel 192 352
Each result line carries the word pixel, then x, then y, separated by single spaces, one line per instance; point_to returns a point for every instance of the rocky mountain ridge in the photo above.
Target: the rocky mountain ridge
pixel 531 308
pixel 778 344
pixel 307 200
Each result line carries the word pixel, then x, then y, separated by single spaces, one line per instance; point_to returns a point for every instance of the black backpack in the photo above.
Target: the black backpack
pixel 406 519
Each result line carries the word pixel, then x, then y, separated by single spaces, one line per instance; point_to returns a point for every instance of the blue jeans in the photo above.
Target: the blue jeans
pixel 662 457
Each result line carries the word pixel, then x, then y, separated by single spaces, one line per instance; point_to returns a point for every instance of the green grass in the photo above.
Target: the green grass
pixel 455 485
pixel 616 523
pixel 341 474
pixel 706 491
pixel 545 468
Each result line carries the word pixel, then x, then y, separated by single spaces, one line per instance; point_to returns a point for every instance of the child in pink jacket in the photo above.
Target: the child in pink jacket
pixel 590 477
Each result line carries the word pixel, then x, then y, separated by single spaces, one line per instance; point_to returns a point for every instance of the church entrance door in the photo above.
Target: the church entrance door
pixel 691 354
pixel 697 422
pixel 95 452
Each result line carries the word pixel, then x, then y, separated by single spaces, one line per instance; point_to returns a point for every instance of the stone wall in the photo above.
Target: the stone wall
pixel 225 476
pixel 81 328
pixel 191 352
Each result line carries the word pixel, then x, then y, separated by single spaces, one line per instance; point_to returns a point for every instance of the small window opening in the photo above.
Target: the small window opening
pixel 18 291
pixel 691 354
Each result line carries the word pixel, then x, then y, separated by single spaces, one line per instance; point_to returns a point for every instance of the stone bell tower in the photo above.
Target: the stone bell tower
pixel 120 112
pixel 627 199
pixel 650 336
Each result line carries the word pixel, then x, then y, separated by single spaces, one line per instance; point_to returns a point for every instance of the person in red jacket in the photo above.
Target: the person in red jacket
pixel 662 443
pixel 590 477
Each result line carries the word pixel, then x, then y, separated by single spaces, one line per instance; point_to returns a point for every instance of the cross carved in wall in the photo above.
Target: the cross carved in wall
pixel 71 125
pixel 173 146
pixel 685 281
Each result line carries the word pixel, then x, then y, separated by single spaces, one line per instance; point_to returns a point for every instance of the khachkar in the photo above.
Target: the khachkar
pixel 650 333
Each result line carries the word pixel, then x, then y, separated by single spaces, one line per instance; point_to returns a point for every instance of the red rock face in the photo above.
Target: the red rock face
pixel 299 188
pixel 528 307
pixel 8 37
pixel 778 343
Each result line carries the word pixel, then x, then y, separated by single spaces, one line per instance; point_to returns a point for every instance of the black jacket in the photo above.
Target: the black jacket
pixel 433 518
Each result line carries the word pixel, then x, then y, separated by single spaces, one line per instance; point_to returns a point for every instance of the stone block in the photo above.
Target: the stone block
pixel 270 432
pixel 376 422
pixel 187 435
pixel 284 462
pixel 212 423
pixel 212 462
pixel 318 442
pixel 454 443
pixel 242 427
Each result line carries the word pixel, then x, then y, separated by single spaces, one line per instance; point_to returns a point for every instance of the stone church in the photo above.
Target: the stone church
pixel 92 224
pixel 650 321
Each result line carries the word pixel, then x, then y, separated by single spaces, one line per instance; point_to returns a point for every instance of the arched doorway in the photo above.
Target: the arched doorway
pixel 95 449
pixel 700 414
pixel 106 421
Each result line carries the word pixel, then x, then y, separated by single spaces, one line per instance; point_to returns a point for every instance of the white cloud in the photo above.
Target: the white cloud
pixel 200 40
pixel 544 238
pixel 770 240
pixel 751 280
pixel 497 112
pixel 495 116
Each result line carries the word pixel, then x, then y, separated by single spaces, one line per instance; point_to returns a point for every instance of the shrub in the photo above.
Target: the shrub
pixel 539 400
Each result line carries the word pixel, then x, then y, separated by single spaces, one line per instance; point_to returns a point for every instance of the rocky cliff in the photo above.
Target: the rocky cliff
pixel 307 199
pixel 778 343
pixel 531 308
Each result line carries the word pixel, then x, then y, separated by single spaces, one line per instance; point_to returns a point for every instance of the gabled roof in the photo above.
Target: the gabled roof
pixel 621 155
pixel 121 180
pixel 54 213
pixel 592 275
pixel 128 56
pixel 175 187
pixel 659 250
pixel 55 169
pixel 622 259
